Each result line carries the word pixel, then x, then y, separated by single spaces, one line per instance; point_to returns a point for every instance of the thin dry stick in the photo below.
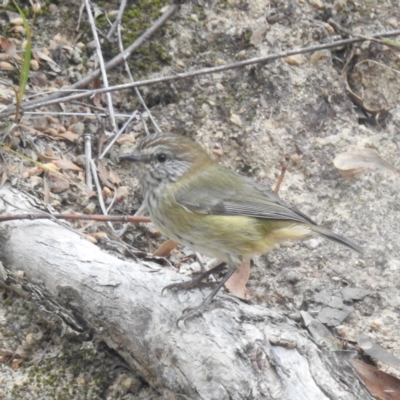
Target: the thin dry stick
pixel 77 114
pixel 257 60
pixel 282 175
pixel 88 159
pixel 98 187
pixel 77 217
pixel 117 21
pixel 365 37
pixel 102 66
pixel 138 94
pixel 118 134
pixel 30 105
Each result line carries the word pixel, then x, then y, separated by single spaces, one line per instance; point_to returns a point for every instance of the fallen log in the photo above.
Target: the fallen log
pixel 237 351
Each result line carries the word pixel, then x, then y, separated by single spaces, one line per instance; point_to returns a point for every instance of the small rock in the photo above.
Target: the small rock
pixel 295 60
pixel 241 55
pixel 220 61
pixel 36 181
pixel 235 119
pixel 89 209
pixel 317 4
pixel 393 22
pixel 319 55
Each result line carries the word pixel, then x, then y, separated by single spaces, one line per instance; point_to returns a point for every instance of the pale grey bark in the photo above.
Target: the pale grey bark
pixel 239 351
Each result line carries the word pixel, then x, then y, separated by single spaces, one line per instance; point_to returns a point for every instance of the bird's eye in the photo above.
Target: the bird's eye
pixel 161 157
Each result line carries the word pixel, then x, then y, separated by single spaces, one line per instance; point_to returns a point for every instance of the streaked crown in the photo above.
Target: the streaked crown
pixel 165 158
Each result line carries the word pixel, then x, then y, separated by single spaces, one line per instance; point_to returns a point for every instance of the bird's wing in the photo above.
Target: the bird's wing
pixel 234 195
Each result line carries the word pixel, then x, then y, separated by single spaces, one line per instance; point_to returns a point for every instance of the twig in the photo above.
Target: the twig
pixel 88 159
pixel 146 129
pixel 98 187
pixel 112 201
pixel 138 94
pixel 389 10
pixel 257 60
pixel 117 21
pixel 102 66
pixel 77 114
pixel 30 105
pixel 359 35
pixel 118 134
pixel 282 175
pixel 77 217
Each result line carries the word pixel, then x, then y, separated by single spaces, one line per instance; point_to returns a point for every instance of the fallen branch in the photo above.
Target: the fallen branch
pixel 77 217
pixel 234 351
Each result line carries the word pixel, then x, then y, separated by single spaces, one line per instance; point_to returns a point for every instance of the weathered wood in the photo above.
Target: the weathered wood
pixel 239 351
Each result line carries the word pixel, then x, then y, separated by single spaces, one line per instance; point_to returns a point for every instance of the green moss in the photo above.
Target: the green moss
pixel 7 302
pixel 135 20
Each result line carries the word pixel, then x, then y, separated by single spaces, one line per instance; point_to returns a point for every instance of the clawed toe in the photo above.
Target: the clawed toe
pixel 188 285
pixel 189 313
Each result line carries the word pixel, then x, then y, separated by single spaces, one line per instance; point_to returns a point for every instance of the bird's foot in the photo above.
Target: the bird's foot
pixel 192 312
pixel 193 283
pixel 196 282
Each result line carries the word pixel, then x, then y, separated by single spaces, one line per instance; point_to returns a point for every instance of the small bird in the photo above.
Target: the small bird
pixel 213 210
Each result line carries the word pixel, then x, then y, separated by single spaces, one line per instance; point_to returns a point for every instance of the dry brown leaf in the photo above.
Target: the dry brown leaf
pixel 237 282
pixel 258 35
pixel 51 131
pixel 114 178
pixel 32 172
pixel 17 21
pixel 34 65
pixel 130 138
pixel 106 192
pixel 4 43
pixel 6 66
pixel 72 137
pixel 47 194
pixel 108 177
pixel 29 129
pixel 7 45
pixel 90 238
pixel 51 167
pixel 165 248
pixel 41 55
pixel 96 84
pixel 104 175
pixel 56 183
pixel 44 157
pixel 122 193
pixel 15 363
pixel 18 29
pixel 50 62
pixel 379 383
pixel 100 235
pixel 67 165
pixel 61 128
pixel 4 178
pixel 49 151
pixel 357 162
pixel 59 40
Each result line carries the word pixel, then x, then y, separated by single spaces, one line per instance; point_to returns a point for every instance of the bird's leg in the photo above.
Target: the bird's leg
pixel 196 282
pixel 195 311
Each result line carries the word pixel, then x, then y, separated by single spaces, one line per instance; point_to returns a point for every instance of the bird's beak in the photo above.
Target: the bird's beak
pixel 132 157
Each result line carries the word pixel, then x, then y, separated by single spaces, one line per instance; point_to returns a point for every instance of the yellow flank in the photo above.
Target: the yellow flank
pixel 219 235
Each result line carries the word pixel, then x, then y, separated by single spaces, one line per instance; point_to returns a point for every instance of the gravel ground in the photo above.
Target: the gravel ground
pixel 252 119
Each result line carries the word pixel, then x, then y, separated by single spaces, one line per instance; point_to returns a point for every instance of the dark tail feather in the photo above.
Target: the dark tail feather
pixel 337 238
